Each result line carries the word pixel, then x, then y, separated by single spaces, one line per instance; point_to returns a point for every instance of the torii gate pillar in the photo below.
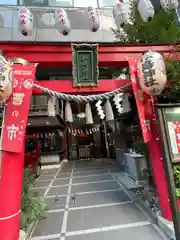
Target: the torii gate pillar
pixel 12 154
pixel 148 122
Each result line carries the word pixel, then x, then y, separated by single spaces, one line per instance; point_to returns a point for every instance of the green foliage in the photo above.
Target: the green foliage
pixel 176 170
pixel 173 72
pixel 32 209
pixel 163 28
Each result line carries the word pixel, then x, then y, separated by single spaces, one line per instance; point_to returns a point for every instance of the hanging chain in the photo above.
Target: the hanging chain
pixel 81 98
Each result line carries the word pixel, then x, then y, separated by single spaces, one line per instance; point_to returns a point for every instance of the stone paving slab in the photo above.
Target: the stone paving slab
pixel 46 177
pixel 95 214
pixel 51 225
pixel 89 172
pixel 57 191
pixel 60 181
pixel 44 183
pixel 92 179
pixel 140 233
pixel 94 187
pixel 55 202
pixel 103 217
pixel 100 198
pixel 48 172
pixel 39 192
pixel 63 175
pixel 88 169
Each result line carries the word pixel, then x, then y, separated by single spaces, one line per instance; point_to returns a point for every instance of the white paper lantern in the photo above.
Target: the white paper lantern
pixel 25 21
pixel 122 13
pixel 169 4
pixel 62 22
pixel 5 79
pixel 152 73
pixel 146 10
pixel 94 22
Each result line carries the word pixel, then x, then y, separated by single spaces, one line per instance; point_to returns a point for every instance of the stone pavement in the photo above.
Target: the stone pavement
pixel 86 202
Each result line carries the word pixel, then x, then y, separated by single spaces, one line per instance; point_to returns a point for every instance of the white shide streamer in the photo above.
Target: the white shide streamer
pixel 68 113
pixel 51 106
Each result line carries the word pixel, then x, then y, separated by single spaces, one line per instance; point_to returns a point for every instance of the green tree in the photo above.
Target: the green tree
pixel 162 29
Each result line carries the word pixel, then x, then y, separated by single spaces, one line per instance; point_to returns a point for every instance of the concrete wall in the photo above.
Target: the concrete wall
pixel 44 31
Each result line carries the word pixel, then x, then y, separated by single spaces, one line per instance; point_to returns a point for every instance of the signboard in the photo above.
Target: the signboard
pixel 85 65
pixel 174 133
pixel 16 112
pixel 174 137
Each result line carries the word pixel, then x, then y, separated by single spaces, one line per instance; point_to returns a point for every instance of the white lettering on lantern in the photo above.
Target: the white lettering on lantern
pixel 18 98
pixel 12 131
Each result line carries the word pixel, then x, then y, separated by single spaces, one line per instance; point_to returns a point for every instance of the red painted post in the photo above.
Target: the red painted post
pixel 148 124
pixel 12 159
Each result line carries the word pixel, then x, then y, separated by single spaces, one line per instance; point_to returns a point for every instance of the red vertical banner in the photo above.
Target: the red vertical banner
pixel 17 109
pixel 15 120
pixel 142 102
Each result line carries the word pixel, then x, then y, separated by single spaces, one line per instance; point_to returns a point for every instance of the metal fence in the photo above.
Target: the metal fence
pixel 45 31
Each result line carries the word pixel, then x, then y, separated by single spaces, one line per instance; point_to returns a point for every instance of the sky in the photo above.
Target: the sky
pixel 8 1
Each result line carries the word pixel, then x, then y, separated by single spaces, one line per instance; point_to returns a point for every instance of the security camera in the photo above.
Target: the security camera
pixel 24 33
pixel 65 33
pixel 94 29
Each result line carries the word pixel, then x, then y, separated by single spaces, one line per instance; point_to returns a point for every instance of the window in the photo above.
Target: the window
pixel 9 2
pixel 87 3
pixel 106 3
pixel 60 3
pixel 33 2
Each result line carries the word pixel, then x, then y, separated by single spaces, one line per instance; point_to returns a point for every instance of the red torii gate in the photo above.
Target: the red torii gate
pixel 12 157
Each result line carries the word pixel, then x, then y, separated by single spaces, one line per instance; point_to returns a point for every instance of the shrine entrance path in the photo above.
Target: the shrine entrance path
pixel 86 202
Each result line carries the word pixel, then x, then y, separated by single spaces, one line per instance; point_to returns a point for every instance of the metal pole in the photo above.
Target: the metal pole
pixel 105 136
pixel 169 173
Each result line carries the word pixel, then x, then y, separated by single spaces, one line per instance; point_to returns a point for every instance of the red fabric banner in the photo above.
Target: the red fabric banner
pixel 16 114
pixel 143 102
